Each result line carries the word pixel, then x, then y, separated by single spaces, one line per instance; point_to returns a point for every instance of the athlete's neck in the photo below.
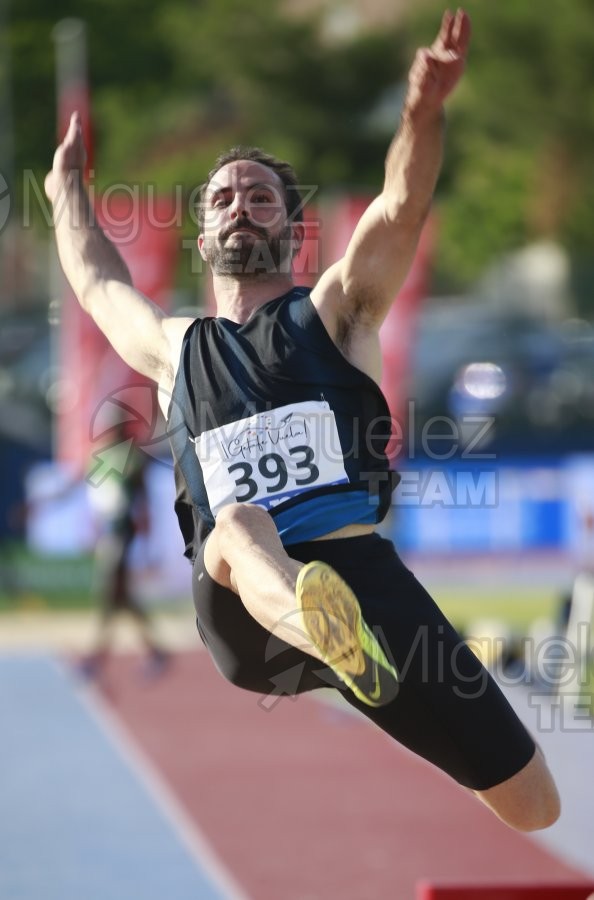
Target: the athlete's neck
pixel 238 298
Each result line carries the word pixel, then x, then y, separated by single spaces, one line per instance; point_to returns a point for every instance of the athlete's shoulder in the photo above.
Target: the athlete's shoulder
pixel 177 328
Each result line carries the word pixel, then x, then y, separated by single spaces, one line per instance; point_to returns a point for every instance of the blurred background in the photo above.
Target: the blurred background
pixel 488 352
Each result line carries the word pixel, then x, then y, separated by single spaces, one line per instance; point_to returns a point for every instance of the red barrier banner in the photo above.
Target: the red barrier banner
pixel 97 390
pixel 397 338
pixel 427 891
pixel 397 334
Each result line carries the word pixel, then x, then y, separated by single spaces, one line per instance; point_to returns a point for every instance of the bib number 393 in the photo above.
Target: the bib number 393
pixel 270 457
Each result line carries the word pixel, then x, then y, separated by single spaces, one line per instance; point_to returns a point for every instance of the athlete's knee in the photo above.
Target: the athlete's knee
pixel 238 523
pixel 216 566
pixel 543 806
pixel 529 800
pixel 241 515
pixel 541 811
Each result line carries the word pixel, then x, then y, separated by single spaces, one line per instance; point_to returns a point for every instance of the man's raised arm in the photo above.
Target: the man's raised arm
pixel 134 326
pixel 361 287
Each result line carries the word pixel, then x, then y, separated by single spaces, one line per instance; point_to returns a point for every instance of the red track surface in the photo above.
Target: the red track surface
pixel 307 802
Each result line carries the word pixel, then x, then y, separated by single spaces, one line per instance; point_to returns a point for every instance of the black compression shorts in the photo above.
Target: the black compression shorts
pixel 448 709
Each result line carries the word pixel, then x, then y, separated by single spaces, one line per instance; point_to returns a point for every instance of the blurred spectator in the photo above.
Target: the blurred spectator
pixel 124 510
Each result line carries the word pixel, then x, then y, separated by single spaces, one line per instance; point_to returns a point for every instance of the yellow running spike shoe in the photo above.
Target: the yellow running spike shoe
pixel 333 620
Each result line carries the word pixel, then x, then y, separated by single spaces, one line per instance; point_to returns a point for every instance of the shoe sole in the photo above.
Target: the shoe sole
pixel 334 624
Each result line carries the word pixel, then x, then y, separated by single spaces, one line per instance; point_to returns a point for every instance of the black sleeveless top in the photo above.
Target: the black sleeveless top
pixel 271 412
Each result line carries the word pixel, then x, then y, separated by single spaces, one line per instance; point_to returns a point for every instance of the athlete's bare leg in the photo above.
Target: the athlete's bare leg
pixel 244 553
pixel 527 801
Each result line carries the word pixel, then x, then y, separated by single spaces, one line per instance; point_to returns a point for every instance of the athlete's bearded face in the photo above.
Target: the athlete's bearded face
pixel 245 222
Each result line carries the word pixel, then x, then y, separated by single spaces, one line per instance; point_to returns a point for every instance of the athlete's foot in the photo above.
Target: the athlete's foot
pixel 334 623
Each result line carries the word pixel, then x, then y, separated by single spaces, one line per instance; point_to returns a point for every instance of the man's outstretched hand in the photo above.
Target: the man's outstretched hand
pixel 438 68
pixel 69 158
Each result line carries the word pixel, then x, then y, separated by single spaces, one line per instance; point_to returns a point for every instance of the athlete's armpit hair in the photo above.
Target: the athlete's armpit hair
pixel 352 315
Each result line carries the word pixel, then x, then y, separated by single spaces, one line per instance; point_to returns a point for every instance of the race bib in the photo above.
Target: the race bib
pixel 271 456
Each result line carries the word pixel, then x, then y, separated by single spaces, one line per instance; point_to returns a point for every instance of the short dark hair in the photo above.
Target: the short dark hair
pixel 284 170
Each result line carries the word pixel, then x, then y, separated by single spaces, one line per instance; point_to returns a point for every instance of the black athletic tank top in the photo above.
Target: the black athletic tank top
pixel 270 412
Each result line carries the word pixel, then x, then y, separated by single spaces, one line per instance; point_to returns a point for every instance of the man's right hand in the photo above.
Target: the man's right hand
pixel 69 158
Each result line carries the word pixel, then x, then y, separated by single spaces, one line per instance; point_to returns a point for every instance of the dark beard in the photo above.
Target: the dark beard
pixel 263 255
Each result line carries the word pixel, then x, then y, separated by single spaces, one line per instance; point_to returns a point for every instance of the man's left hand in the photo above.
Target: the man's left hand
pixel 438 68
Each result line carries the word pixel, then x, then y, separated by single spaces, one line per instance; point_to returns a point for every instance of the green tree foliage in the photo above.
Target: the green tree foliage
pixel 175 83
pixel 271 80
pixel 521 137
pixel 125 54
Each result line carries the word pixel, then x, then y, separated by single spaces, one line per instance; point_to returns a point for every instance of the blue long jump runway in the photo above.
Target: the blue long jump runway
pixel 77 820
